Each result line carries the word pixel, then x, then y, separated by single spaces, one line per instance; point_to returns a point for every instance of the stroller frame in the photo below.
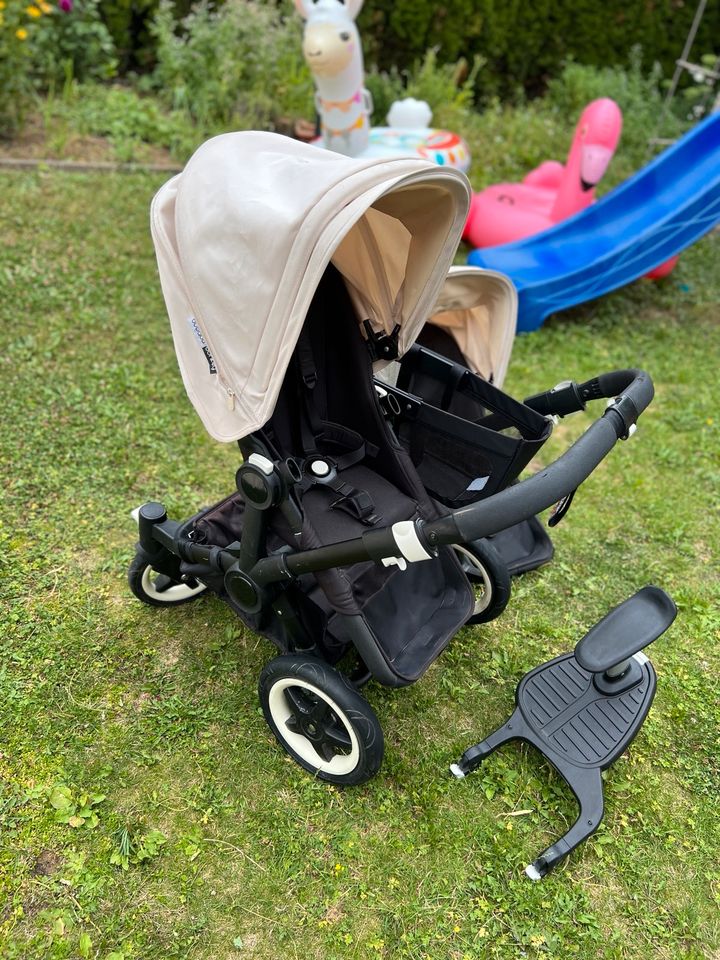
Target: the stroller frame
pixel 316 713
pixel 339 535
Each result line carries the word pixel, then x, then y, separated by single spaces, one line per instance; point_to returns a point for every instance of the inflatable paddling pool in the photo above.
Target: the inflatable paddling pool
pixel 441 146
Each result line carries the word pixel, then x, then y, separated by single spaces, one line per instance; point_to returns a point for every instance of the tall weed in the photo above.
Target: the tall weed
pixel 449 88
pixel 237 65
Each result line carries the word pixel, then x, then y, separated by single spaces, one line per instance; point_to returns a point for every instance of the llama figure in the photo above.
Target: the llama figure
pixel 332 50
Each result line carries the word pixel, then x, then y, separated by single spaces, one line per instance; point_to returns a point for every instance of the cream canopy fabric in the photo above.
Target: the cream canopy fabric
pixel 243 236
pixel 478 308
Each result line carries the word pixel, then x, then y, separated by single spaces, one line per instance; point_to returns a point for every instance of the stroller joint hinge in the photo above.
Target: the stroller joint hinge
pixel 382 346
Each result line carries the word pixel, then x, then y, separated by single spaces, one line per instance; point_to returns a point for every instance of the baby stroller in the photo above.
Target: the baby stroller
pixel 292 276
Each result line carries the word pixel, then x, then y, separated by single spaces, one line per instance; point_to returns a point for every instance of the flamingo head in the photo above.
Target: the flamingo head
pixel 597 135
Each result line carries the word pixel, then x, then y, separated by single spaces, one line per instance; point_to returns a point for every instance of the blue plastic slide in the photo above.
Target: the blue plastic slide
pixel 655 214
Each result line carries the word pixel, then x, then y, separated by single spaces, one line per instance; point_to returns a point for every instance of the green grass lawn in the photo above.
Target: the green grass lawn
pixel 145 808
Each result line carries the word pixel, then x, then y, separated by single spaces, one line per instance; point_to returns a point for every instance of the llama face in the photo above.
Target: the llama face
pixel 332 49
pixel 329 46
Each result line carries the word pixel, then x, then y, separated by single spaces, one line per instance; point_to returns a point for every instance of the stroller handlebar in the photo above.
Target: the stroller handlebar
pixel 631 390
pixel 569 397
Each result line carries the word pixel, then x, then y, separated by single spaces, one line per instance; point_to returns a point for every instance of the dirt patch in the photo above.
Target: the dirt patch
pixel 34 142
pixel 47 864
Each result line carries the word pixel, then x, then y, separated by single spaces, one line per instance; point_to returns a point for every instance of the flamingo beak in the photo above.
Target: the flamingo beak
pixel 594 162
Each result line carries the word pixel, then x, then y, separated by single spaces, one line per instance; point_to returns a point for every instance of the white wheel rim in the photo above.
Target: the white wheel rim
pixel 178 591
pixel 342 763
pixel 467 558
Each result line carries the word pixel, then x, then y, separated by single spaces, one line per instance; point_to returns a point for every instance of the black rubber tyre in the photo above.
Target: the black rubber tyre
pixel 488 573
pixel 321 720
pixel 157 590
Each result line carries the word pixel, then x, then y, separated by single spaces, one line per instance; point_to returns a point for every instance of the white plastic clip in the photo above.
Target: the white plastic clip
pixel 262 463
pixel 395 562
pixel 408 542
pixel 135 514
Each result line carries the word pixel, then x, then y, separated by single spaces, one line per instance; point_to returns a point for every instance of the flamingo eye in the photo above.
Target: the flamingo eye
pixel 583 132
pixel 345 37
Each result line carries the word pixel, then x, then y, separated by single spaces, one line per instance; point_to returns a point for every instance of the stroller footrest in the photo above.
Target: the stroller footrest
pixel 579 727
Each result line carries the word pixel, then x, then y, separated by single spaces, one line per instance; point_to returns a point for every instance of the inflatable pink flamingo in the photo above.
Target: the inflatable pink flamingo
pixel 510 211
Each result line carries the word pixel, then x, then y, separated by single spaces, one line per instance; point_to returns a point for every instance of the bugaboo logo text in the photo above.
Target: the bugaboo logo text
pixel 201 340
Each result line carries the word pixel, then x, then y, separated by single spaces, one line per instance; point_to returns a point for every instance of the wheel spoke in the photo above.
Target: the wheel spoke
pixel 163 583
pixel 324 750
pixel 338 737
pixel 299 702
pixel 292 724
pixel 320 712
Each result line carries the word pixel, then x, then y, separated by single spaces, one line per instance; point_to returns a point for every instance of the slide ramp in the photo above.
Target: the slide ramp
pixel 652 216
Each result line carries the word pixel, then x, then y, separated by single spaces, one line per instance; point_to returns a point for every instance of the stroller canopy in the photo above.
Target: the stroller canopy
pixel 478 309
pixel 244 234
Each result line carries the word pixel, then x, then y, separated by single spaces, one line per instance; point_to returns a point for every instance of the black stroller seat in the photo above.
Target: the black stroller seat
pixel 329 420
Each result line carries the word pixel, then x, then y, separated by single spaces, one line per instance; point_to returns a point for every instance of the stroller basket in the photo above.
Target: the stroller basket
pixel 467 439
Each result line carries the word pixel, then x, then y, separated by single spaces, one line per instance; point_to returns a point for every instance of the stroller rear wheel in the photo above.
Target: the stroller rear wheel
pixel 488 573
pixel 159 590
pixel 320 719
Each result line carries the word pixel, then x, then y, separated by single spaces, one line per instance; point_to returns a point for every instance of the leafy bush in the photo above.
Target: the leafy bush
pixel 508 141
pixel 78 45
pixel 124 117
pixel 447 87
pixel 239 65
pixel 637 93
pixel 21 28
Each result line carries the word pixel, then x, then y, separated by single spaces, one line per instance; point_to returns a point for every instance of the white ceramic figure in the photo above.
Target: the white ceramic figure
pixel 332 49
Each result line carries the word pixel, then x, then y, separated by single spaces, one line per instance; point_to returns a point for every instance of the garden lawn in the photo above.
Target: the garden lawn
pixel 145 808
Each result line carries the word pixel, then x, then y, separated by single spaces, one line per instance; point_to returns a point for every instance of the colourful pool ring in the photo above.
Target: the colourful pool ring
pixel 446 148
pixel 441 146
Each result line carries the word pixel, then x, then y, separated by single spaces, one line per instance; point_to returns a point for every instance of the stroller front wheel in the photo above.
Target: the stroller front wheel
pixel 321 720
pixel 158 590
pixel 488 574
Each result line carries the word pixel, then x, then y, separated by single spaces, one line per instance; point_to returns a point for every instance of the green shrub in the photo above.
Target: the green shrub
pixel 239 65
pixel 22 26
pixel 124 117
pixel 525 42
pixel 76 44
pixel 447 87
pixel 638 94
pixel 508 141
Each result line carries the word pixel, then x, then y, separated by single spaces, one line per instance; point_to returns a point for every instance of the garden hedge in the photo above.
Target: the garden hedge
pixel 523 41
pixel 526 41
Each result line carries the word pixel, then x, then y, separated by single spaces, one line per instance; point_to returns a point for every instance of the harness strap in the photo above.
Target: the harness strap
pixel 356 503
pixel 311 426
pixel 313 430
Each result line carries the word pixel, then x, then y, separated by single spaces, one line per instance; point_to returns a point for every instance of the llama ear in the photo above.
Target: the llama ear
pixel 304 7
pixel 353 7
